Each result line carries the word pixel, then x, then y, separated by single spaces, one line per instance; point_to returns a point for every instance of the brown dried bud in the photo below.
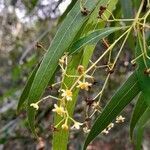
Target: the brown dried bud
pixel 147 71
pixel 101 11
pixel 87 119
pixel 133 64
pixel 85 11
pixel 53 128
pixel 80 69
pixel 89 101
pixel 50 87
pixel 38 45
pixel 102 8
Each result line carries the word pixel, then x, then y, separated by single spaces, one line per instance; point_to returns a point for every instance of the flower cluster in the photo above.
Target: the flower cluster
pixel 82 81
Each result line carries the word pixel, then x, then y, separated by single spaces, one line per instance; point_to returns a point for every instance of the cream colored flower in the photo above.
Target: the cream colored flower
pixel 67 94
pixel 96 106
pixel 105 131
pixel 65 126
pixel 84 85
pixel 120 119
pixel 86 130
pixel 110 126
pixel 62 59
pixel 35 105
pixel 76 125
pixel 59 110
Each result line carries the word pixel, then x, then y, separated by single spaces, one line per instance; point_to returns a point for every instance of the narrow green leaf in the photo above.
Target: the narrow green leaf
pixel 93 38
pixel 140 128
pixel 27 87
pixel 120 99
pixel 127 10
pixel 143 64
pixel 138 111
pixel 64 37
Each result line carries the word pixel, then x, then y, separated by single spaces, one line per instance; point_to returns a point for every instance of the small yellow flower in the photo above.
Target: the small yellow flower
pixel 59 110
pixel 120 119
pixel 35 105
pixel 67 94
pixel 65 126
pixel 84 85
pixel 76 125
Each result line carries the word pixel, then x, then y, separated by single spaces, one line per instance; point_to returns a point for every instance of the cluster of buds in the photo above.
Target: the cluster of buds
pixel 109 127
pixel 66 96
pixel 119 119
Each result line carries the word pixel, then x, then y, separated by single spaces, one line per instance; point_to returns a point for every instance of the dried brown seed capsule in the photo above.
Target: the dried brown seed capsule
pixel 50 87
pixel 134 64
pixel 80 69
pixel 101 11
pixel 102 8
pixel 95 82
pixel 87 119
pixel 85 11
pixel 53 128
pixel 38 45
pixel 147 71
pixel 89 101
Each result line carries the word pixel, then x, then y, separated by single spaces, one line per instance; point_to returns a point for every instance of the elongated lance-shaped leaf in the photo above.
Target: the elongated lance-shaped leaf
pixel 27 87
pixel 138 111
pixel 93 38
pixel 143 64
pixel 127 13
pixel 64 37
pixel 140 128
pixel 120 99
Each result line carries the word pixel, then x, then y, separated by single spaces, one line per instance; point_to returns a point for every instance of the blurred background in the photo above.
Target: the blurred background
pixel 26 30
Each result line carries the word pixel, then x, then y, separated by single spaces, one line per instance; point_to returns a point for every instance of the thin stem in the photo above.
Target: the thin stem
pixel 143 33
pixel 118 54
pixel 104 86
pixel 134 60
pixel 59 123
